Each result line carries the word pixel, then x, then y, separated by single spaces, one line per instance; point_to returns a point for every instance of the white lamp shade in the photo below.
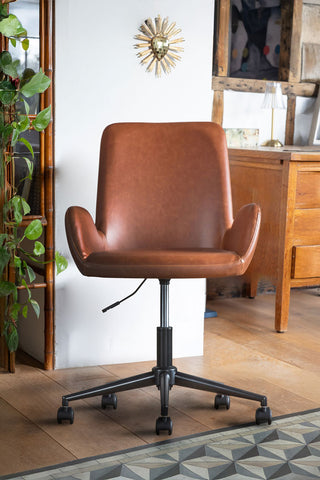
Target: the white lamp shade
pixel 273 96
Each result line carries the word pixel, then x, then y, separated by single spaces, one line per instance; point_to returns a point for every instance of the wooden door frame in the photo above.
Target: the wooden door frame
pixel 47 160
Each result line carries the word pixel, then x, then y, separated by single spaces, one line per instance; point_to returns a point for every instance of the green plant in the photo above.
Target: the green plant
pixel 14 123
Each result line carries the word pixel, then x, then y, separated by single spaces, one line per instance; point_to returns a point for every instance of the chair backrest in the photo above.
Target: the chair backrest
pixel 164 185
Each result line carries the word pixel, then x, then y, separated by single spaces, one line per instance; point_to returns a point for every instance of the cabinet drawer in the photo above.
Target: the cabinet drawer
pixel 308 190
pixel 306 261
pixel 306 226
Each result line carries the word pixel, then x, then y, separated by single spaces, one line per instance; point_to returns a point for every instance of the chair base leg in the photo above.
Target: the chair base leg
pixel 164 380
pixel 129 383
pixel 191 381
pixel 164 376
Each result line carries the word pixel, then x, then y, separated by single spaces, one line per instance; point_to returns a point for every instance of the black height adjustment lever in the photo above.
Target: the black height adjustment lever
pixel 105 309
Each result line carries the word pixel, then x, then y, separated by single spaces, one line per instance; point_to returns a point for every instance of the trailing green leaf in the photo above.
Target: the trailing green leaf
pixel 27 144
pixel 18 128
pixel 61 263
pixel 30 167
pixel 42 120
pixel 38 84
pixel 23 124
pixel 25 44
pixel 26 106
pixel 33 230
pixel 24 283
pixel 5 58
pixel 30 170
pixel 27 74
pixel 7 288
pixel 35 305
pixel 31 274
pixel 3 238
pixel 25 206
pixel 3 11
pixel 5 134
pixel 38 248
pixel 17 262
pixel 4 259
pixel 15 136
pixel 14 310
pixel 11 336
pixel 24 267
pixel 14 205
pixel 8 92
pixel 7 65
pixel 11 27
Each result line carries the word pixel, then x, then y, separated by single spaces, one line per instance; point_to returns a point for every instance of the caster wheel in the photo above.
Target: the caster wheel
pixel 65 414
pixel 164 423
pixel 263 415
pixel 109 401
pixel 222 401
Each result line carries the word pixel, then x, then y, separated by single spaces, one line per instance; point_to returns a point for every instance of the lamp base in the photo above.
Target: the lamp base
pixel 272 143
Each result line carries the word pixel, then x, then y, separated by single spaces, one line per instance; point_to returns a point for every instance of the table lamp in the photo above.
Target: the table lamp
pixel 273 99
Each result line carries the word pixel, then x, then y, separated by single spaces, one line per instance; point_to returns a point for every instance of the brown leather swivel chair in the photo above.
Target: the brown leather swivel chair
pixel 164 210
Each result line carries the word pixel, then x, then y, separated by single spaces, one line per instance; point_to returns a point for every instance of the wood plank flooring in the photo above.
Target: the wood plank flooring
pixel 241 349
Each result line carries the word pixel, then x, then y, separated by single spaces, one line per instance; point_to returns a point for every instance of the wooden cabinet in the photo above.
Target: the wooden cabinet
pixel 286 184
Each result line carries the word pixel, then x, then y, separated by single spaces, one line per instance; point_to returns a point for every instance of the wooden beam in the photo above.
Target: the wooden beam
pixel 285 42
pixel 291 112
pixel 217 109
pixel 259 86
pixel 295 57
pixel 290 52
pixel 222 25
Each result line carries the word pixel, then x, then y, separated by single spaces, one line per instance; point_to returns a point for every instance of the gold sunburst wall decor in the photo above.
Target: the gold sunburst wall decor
pixel 160 49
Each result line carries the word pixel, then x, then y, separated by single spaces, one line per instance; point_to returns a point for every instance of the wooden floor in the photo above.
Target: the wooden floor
pixel 241 349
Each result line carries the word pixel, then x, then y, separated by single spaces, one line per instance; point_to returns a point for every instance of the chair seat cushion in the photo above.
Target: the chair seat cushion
pixel 176 263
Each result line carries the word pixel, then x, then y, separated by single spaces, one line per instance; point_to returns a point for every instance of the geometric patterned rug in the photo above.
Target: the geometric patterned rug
pixel 287 449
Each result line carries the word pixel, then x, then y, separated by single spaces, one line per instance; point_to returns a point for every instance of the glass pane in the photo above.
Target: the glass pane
pixel 29 189
pixel 27 12
pixel 28 58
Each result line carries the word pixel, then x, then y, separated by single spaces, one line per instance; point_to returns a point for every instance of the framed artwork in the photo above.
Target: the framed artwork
pixel 314 136
pixel 255 39
pixel 242 137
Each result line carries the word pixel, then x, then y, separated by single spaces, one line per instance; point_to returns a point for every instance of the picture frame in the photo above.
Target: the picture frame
pixel 314 136
pixel 242 137
pixel 255 34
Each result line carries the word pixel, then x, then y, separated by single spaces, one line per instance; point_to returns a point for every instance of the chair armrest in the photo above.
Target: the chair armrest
pixel 82 234
pixel 242 237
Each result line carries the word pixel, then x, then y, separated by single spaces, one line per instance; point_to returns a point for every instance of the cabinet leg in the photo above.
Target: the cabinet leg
pixel 282 308
pixel 250 288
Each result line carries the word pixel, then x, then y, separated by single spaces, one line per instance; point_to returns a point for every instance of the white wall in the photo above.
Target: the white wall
pixel 98 81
